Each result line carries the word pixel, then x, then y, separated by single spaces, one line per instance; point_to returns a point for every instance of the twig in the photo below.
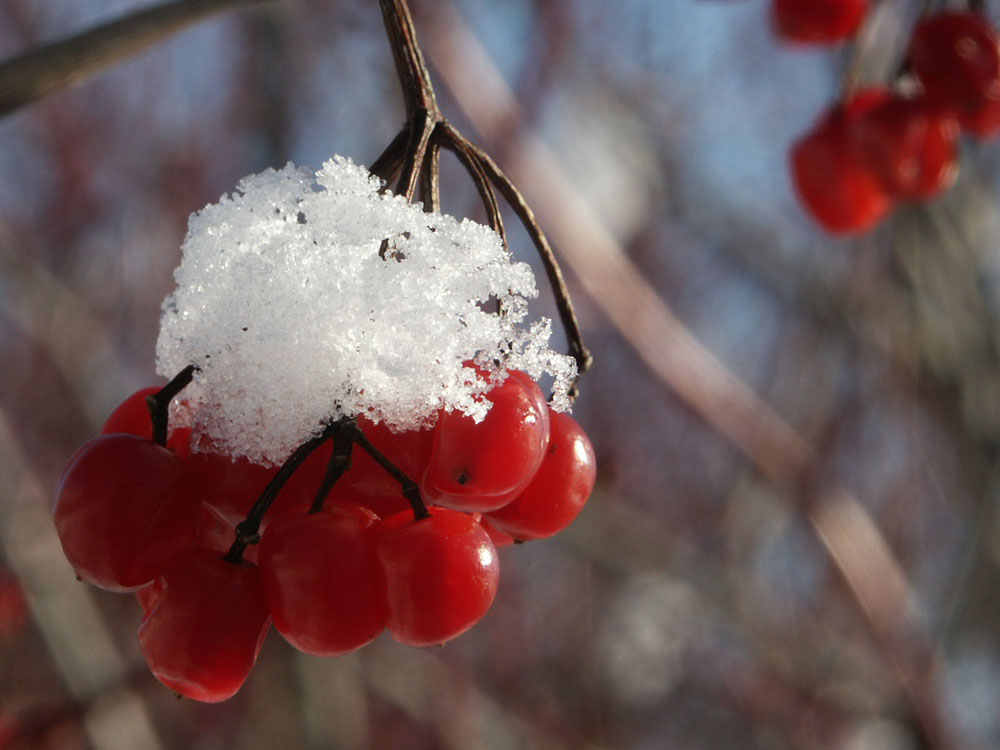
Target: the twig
pixel 427 131
pixel 41 71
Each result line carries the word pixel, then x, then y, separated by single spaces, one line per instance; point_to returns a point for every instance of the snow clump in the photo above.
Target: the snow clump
pixel 304 297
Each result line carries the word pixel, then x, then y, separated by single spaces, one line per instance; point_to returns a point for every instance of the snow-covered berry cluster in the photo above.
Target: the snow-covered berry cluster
pixel 351 435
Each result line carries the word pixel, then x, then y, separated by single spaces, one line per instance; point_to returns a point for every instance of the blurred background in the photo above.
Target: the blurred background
pixel 794 541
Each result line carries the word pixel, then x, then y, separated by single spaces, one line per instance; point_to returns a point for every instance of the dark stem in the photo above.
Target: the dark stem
pixel 410 489
pixel 339 464
pixel 248 531
pixel 159 403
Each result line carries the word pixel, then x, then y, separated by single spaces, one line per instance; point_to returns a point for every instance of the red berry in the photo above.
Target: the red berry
pixel 836 185
pixel 983 122
pixel 817 21
pixel 323 580
pixel 559 490
pixel 205 625
pixel 132 416
pixel 911 147
pixel 125 506
pixel 441 575
pixel 481 467
pixel 956 57
pixel 499 538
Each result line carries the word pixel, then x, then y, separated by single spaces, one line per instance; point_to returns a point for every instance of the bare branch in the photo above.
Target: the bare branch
pixel 59 65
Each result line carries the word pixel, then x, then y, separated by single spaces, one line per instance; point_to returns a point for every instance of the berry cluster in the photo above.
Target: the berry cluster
pixel 347 549
pixel 884 144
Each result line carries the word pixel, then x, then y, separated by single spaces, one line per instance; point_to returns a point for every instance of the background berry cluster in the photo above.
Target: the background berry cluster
pixel 897 141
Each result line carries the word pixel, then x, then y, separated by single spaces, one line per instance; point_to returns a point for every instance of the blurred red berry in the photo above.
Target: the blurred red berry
pixel 955 56
pixel 832 178
pixel 817 21
pixel 911 147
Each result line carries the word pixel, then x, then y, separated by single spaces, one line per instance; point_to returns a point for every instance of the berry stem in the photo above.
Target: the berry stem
pixel 159 403
pixel 339 464
pixel 418 93
pixel 413 154
pixel 410 489
pixel 387 165
pixel 248 530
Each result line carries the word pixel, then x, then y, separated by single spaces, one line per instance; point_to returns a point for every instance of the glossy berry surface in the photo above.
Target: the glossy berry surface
pixel 559 490
pixel 441 574
pixel 832 178
pixel 481 467
pixel 911 147
pixel 205 623
pixel 955 56
pixel 322 579
pixel 125 505
pixel 817 21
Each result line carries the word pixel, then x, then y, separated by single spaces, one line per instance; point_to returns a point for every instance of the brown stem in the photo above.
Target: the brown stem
pixel 470 160
pixel 422 126
pixel 418 93
pixel 430 179
pixel 564 303
pixel 387 165
pixel 427 130
pixel 44 70
pixel 339 464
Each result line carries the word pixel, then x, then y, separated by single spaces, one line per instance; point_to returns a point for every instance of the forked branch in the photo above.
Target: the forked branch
pixel 411 161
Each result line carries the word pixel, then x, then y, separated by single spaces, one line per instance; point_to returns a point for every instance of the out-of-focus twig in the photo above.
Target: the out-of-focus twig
pixel 55 66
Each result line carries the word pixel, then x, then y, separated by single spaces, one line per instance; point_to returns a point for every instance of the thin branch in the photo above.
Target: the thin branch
pixel 388 163
pixel 41 71
pixel 430 179
pixel 422 127
pixel 467 155
pixel 567 314
pixel 418 93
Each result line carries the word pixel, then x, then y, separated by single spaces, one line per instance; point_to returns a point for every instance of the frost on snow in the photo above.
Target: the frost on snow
pixel 304 297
